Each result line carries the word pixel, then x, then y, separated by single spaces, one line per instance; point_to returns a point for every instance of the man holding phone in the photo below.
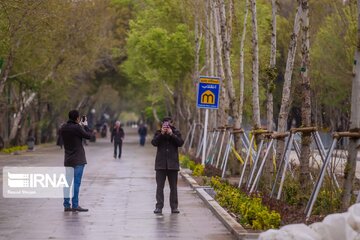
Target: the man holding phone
pixel 73 133
pixel 167 140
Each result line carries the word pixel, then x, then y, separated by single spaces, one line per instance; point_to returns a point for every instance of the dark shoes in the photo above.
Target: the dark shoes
pixel 80 209
pixel 68 209
pixel 175 210
pixel 158 211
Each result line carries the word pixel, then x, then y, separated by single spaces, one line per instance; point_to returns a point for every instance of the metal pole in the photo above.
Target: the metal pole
pixel 201 143
pixel 227 157
pixel 318 184
pixel 286 163
pixel 221 145
pixel 213 152
pixel 205 137
pixel 226 151
pixel 278 172
pixel 255 163
pixel 261 166
pixel 246 160
pixel 192 136
pixel 211 140
pixel 323 153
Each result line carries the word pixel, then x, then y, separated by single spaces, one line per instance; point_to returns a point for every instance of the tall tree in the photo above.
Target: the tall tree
pixel 255 68
pixel 286 92
pixel 241 72
pixel 350 168
pixel 272 71
pixel 222 111
pixel 306 97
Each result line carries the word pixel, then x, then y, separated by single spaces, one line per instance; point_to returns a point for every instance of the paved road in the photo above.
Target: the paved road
pixel 120 195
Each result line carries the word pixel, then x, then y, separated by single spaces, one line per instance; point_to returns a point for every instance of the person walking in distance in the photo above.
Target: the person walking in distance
pixel 142 133
pixel 73 133
pixel 117 136
pixel 167 140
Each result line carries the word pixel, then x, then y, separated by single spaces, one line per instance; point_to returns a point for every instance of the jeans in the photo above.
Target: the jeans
pixel 78 172
pixel 142 140
pixel 116 145
pixel 172 176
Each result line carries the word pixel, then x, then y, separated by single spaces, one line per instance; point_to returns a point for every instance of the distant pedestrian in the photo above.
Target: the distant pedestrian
pixel 142 133
pixel 167 140
pixel 117 136
pixel 59 140
pixel 73 133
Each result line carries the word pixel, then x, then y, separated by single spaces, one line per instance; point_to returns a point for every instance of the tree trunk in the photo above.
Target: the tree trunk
pixel 5 74
pixel 271 77
pixel 242 74
pixel 285 101
pixel 350 168
pixel 255 68
pixel 19 115
pixel 226 41
pixel 273 72
pixel 306 98
pixel 222 111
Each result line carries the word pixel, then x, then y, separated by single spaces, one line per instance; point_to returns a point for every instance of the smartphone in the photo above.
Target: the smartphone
pixel 83 118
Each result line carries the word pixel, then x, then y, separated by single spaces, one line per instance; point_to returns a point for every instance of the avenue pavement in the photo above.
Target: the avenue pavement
pixel 120 195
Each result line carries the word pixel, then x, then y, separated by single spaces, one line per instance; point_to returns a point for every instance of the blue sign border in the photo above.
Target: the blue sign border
pixel 216 93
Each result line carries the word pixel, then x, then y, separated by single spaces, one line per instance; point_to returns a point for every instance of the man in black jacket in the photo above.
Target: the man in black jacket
pixel 167 140
pixel 117 136
pixel 72 134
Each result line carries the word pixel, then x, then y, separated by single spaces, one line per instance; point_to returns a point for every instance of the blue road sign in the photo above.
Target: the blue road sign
pixel 208 92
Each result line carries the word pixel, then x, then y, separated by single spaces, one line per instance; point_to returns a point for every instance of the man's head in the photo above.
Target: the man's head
pixel 117 124
pixel 74 115
pixel 166 120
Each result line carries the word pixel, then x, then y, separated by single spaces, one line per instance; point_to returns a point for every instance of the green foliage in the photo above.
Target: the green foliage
pixel 327 202
pixel 198 170
pixel 14 149
pixel 291 192
pixel 186 162
pixel 251 211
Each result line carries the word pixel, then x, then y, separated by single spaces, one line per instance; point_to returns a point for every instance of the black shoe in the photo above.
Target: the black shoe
pixel 68 209
pixel 175 210
pixel 80 209
pixel 158 211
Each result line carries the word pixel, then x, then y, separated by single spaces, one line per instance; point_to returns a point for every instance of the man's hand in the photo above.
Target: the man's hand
pixel 163 130
pixel 169 131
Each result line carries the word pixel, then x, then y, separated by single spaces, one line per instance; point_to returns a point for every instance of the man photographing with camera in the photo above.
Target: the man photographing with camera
pixel 73 133
pixel 167 140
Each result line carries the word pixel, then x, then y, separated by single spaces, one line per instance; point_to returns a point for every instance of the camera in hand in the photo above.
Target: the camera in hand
pixel 83 118
pixel 166 125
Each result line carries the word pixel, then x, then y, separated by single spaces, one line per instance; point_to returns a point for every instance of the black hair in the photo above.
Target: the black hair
pixel 167 119
pixel 74 114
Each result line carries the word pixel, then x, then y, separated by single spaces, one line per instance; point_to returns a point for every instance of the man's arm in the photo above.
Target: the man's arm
pixel 84 132
pixel 157 138
pixel 177 139
pixel 112 135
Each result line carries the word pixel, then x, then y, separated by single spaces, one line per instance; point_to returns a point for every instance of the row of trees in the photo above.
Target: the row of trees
pixel 261 50
pixel 147 55
pixel 56 56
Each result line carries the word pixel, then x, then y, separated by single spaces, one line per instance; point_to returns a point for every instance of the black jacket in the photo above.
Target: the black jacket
pixel 72 135
pixel 117 135
pixel 167 156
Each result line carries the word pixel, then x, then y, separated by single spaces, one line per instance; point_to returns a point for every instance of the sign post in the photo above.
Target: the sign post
pixel 207 98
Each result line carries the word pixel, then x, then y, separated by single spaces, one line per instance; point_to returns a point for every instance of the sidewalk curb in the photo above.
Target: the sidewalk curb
pixel 230 223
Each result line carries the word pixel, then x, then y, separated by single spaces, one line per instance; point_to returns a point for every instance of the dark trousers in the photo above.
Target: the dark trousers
pixel 142 140
pixel 116 145
pixel 172 176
